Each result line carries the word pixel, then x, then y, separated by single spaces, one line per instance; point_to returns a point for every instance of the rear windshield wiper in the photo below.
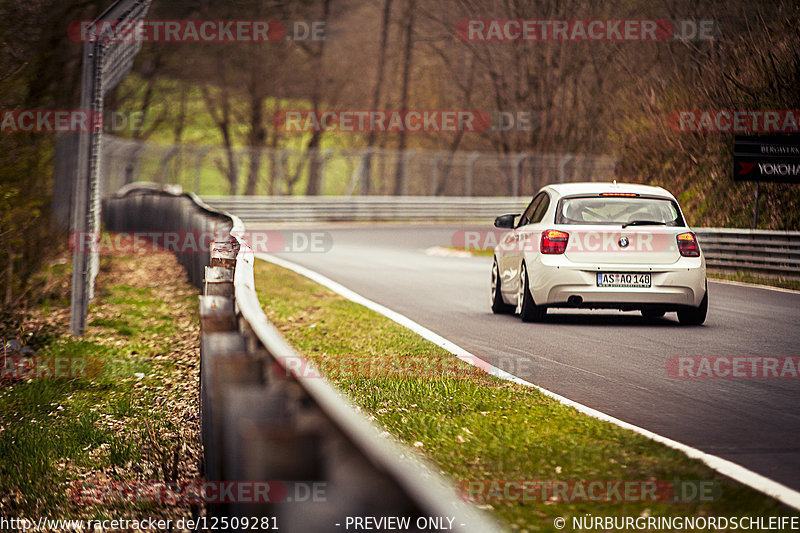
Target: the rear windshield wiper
pixel 644 223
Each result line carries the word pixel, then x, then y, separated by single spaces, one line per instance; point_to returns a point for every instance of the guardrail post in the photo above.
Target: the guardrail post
pixel 217 314
pixel 222 255
pixel 213 346
pixel 218 282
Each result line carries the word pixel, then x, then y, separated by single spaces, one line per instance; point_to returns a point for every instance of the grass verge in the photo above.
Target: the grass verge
pixel 122 409
pixel 477 428
pixel 744 277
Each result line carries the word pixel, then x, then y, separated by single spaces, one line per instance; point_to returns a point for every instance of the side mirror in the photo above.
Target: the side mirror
pixel 505 221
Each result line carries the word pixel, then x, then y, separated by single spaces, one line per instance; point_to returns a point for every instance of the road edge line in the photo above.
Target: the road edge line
pixel 730 469
pixel 753 285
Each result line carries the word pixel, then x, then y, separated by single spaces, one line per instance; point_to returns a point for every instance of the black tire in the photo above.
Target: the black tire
pixel 652 314
pixel 694 316
pixel 526 308
pixel 499 307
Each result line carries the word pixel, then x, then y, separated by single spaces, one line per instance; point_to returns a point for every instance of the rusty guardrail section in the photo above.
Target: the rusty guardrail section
pixel 261 421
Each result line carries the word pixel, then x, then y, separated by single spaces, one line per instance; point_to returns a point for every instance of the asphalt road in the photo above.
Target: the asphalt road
pixel 614 362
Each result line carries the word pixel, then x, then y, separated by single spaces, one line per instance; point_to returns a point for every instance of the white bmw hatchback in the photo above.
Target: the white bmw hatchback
pixel 600 246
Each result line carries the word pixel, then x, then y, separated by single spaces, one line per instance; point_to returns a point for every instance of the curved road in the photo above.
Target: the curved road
pixel 614 362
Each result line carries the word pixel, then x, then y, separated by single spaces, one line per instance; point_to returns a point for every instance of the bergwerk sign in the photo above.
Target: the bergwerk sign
pixel 767 158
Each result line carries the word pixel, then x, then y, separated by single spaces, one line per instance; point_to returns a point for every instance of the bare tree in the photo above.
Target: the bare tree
pixel 408 27
pixel 376 92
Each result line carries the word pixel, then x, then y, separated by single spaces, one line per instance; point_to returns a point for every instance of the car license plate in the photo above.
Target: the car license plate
pixel 623 279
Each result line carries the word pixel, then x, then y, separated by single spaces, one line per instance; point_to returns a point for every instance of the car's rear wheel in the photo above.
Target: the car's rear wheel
pixel 694 316
pixel 526 308
pixel 499 307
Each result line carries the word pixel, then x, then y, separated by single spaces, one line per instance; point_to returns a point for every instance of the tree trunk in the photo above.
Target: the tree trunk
pixel 314 178
pixel 409 45
pixel 376 94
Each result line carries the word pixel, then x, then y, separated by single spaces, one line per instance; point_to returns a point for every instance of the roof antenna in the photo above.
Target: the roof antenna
pixel 615 183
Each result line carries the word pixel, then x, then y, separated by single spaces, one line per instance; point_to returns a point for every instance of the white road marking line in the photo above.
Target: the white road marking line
pixel 753 285
pixel 739 473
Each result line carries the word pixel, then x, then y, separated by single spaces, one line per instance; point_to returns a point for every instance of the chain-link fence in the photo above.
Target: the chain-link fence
pixel 212 171
pixel 95 165
pixel 105 64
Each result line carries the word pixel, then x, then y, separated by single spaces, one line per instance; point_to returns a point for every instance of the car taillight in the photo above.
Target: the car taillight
pixel 554 241
pixel 687 245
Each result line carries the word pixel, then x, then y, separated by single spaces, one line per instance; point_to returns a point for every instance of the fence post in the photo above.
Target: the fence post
pixel 132 162
pixel 562 165
pixel 755 208
pixel 323 168
pixel 515 176
pixel 435 173
pixel 469 173
pixel 405 160
pixel 198 167
pixel 162 170
pixel 365 171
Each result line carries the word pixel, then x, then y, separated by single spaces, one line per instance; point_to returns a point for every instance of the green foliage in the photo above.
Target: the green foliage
pixel 26 237
pixel 41 70
pixel 56 430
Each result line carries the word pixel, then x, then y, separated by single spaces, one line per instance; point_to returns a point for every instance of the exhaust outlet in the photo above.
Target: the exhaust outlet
pixel 575 300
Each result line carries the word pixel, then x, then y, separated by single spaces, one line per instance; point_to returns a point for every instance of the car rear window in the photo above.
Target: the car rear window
pixel 617 210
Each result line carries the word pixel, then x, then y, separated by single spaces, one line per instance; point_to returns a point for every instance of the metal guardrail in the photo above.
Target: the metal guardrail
pixel 261 420
pixel 146 208
pixel 255 209
pixel 771 253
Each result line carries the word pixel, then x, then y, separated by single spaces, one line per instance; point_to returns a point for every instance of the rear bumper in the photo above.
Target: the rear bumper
pixel 672 286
